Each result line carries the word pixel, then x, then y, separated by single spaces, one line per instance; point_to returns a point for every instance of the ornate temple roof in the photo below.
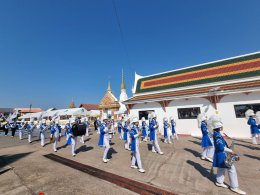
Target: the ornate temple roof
pixel 226 70
pixel 231 75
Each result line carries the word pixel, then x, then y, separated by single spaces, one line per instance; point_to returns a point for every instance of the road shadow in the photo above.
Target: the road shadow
pixel 249 147
pixel 86 140
pixel 195 153
pixel 253 157
pixel 111 152
pixel 202 170
pixel 238 140
pixel 197 138
pixel 195 142
pixel 8 159
pixel 84 148
pixel 150 146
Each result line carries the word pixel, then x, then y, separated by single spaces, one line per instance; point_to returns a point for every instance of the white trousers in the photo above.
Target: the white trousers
pixel 208 152
pixel 55 143
pixel 73 145
pixel 254 139
pixel 42 135
pixel 232 174
pixel 82 139
pixel 127 142
pixel 98 130
pixel 30 136
pixel 87 132
pixel 20 134
pixel 136 158
pixel 156 147
pixel 168 138
pixel 107 146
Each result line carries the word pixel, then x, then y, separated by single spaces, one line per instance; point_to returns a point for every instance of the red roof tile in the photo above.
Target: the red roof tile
pixel 89 107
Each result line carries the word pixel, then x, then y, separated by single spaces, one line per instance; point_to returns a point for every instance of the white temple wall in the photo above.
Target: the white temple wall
pixel 233 126
pixel 189 126
pixel 149 106
pixel 236 127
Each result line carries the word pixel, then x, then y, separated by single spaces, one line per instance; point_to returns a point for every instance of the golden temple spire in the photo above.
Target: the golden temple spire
pixel 123 81
pixel 108 88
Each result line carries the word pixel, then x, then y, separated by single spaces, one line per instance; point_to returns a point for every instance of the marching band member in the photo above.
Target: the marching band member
pixel 87 126
pixel 173 125
pixel 42 129
pixel 98 125
pixel 153 134
pixel 166 132
pixel 21 127
pixel 30 128
pixel 7 127
pixel 66 128
pixel 221 150
pixel 71 139
pixel 134 134
pixel 84 120
pixel 253 126
pixel 207 141
pixel 104 138
pixel 144 130
pixel 126 133
pixel 55 134
pixel 13 127
pixel 119 127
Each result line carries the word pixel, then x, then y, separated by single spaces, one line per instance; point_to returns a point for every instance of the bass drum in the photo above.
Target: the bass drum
pixel 79 129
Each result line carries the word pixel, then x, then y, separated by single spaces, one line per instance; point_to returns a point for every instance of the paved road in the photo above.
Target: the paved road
pixel 180 170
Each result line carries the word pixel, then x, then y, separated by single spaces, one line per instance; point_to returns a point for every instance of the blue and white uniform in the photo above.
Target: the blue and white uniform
pixel 55 134
pixel 166 131
pixel 104 140
pixel 42 130
pixel 206 142
pixel 98 126
pixel 153 136
pixel 220 155
pixel 7 127
pixel 66 128
pixel 135 148
pixel 119 128
pixel 127 136
pixel 21 127
pixel 173 130
pixel 144 130
pixel 71 139
pixel 254 130
pixel 30 128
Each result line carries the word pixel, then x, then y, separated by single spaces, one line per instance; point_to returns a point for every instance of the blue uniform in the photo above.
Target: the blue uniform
pixel 104 140
pixel 55 134
pixel 220 154
pixel 206 142
pixel 253 126
pixel 125 132
pixel 173 127
pixel 119 127
pixel 102 134
pixel 165 127
pixel 144 133
pixel 152 125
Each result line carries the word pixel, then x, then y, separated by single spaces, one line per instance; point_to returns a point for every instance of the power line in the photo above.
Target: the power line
pixel 121 34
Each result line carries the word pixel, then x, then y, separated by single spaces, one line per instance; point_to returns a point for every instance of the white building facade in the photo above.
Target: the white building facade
pixel 226 87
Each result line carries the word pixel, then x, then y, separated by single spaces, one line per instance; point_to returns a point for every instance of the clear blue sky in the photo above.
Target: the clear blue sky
pixel 53 51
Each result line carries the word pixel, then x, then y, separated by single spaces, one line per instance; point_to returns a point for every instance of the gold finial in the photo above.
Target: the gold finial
pixel 123 81
pixel 109 88
pixel 72 104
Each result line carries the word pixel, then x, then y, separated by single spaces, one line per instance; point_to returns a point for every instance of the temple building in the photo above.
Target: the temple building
pixel 225 87
pixel 110 104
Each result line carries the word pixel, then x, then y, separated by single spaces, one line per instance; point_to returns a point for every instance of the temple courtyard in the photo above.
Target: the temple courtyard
pixel 26 170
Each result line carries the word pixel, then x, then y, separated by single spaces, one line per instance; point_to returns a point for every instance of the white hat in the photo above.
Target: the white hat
pixel 153 115
pixel 143 119
pixel 165 119
pixel 43 120
pixel 201 117
pixel 215 122
pixel 257 117
pixel 171 118
pixel 249 113
pixel 120 118
pixel 72 120
pixel 149 115
pixel 135 120
pixel 56 121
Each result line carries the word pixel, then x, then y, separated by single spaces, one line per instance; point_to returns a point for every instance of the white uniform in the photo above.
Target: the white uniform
pixel 55 134
pixel 30 129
